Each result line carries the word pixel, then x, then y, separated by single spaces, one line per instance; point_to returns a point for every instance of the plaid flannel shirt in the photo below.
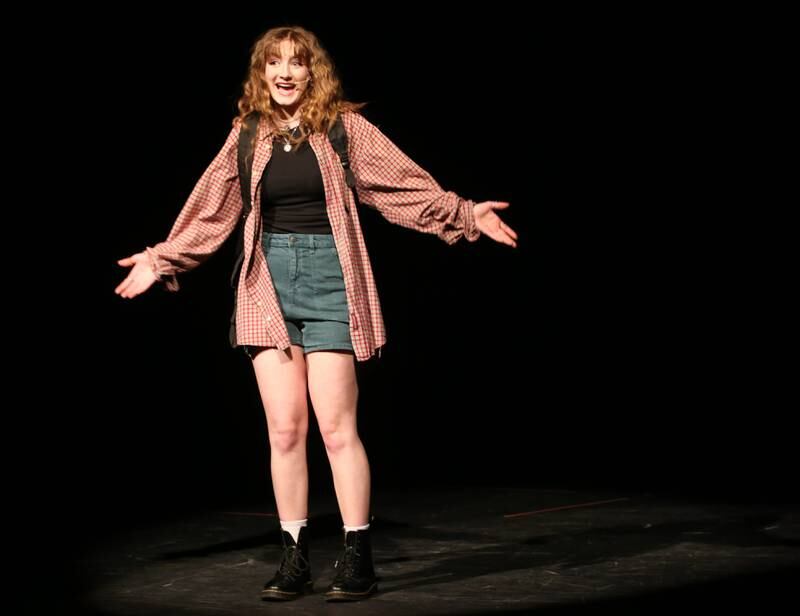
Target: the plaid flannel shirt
pixel 386 179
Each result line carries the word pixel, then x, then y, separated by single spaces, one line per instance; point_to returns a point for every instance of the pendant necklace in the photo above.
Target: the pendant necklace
pixel 288 146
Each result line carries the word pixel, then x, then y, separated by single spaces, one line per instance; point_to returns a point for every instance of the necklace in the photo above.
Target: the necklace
pixel 287 147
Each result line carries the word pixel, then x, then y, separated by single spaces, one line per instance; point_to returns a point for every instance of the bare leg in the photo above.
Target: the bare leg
pixel 282 384
pixel 334 394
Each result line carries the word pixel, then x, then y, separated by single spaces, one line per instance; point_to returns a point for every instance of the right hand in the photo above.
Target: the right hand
pixel 139 279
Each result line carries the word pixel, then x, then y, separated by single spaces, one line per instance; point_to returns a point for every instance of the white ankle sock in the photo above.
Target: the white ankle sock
pixel 347 528
pixel 293 527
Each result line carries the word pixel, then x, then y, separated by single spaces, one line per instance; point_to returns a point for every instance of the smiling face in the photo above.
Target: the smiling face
pixel 287 69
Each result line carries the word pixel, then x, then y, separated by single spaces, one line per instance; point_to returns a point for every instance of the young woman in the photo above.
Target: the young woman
pixel 307 305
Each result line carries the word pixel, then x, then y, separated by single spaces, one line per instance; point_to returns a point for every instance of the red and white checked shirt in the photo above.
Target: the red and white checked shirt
pixel 386 179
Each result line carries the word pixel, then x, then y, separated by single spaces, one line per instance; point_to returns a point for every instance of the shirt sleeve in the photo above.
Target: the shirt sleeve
pixel 402 191
pixel 206 220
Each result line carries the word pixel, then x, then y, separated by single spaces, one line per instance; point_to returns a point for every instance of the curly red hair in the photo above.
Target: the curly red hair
pixel 322 101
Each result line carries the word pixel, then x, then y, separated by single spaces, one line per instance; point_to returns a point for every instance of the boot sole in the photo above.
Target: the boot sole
pixel 340 595
pixel 281 595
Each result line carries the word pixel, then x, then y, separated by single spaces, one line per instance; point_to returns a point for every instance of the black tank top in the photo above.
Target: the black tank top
pixel 292 192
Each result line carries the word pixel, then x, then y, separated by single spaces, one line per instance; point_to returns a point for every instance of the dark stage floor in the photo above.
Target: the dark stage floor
pixel 458 551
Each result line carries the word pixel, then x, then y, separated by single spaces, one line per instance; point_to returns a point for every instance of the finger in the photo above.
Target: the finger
pixel 500 204
pixel 123 286
pixel 505 238
pixel 509 230
pixel 500 237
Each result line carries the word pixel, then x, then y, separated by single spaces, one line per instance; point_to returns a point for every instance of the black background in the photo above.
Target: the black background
pixel 630 342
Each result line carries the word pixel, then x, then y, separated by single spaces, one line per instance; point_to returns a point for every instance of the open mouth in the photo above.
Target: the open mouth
pixel 286 89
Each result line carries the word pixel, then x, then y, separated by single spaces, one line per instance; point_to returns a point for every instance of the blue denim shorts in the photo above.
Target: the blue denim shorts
pixel 308 280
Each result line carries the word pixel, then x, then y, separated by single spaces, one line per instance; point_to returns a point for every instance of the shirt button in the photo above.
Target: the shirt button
pixel 269 318
pixel 258 302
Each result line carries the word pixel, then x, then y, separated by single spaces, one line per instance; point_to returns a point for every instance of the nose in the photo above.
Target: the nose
pixel 285 71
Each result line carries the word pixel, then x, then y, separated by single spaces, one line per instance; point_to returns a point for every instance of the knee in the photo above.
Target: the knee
pixel 287 438
pixel 337 438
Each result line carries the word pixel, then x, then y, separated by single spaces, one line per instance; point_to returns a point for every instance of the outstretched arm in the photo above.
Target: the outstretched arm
pixel 402 191
pixel 206 220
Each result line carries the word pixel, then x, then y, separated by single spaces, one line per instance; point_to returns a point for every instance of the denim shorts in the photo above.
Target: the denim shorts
pixel 308 280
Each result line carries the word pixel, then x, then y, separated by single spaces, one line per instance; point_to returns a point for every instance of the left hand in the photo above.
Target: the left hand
pixel 490 224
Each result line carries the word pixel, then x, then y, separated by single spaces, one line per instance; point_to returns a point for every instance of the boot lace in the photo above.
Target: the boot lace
pixel 293 564
pixel 346 564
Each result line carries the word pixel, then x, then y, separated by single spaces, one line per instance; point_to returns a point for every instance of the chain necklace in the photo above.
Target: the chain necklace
pixel 287 147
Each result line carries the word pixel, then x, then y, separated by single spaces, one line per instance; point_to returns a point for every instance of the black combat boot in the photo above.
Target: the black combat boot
pixel 293 577
pixel 355 576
